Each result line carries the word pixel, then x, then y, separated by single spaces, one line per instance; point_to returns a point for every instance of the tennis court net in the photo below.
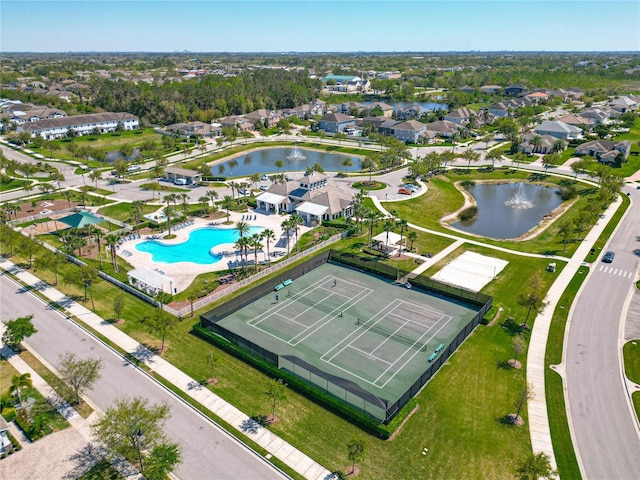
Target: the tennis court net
pixel 395 336
pixel 319 305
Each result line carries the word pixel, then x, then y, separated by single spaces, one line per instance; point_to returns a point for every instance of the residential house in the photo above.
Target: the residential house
pixel 387 110
pixel 310 197
pixel 5 443
pixel 237 121
pixel 597 115
pixel 408 112
pixel 443 128
pixel 387 127
pixel 515 90
pixel 537 97
pixel 577 121
pixel 81 124
pixel 348 107
pixel 604 148
pixel 195 129
pixel 547 142
pixel 467 89
pixel 347 83
pixel 490 89
pixel 624 104
pixel 268 118
pixel 559 130
pixel 409 131
pixel 31 113
pixel 500 109
pixel 462 116
pixel 336 122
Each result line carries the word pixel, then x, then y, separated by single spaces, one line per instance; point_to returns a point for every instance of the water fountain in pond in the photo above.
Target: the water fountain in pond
pixel 295 155
pixel 519 199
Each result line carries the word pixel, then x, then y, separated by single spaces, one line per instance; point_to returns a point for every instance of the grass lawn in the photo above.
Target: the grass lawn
pixel 121 211
pixel 556 408
pixel 608 230
pixel 12 184
pixel 84 409
pixel 631 352
pixel 443 198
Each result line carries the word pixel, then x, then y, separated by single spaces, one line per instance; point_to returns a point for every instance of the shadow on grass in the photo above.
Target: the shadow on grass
pixel 503 365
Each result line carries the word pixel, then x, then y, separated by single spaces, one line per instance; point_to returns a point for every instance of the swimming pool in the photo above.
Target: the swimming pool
pixel 197 249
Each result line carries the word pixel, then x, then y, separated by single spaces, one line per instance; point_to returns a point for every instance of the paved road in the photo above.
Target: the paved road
pixel 208 452
pixel 606 433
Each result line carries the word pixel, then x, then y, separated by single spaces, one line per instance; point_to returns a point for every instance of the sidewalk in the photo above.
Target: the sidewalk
pixel 79 424
pixel 537 407
pixel 285 452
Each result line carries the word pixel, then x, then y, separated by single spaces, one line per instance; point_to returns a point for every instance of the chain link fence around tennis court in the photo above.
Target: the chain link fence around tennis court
pixel 338 387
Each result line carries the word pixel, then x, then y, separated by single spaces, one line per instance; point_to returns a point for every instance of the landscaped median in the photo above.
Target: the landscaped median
pixel 631 353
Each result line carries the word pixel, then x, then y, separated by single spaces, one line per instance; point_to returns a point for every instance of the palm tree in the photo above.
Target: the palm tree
pixel 255 243
pixel 169 212
pixel 18 382
pixel 369 164
pixel 68 194
pixel 388 226
pixel 296 221
pixel 213 196
pixel 470 156
pixel 137 212
pixel 268 236
pixel 373 217
pixel 95 175
pixel 226 203
pixel 535 142
pixel 112 241
pixel 403 225
pixel 204 202
pixel 242 228
pixel 557 146
pixel 346 163
pixel 412 236
pixel 286 227
pixel 278 164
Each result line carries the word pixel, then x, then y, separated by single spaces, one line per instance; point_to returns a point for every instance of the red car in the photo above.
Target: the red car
pixel 405 191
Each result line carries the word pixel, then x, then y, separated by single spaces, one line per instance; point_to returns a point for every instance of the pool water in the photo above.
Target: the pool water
pixel 197 249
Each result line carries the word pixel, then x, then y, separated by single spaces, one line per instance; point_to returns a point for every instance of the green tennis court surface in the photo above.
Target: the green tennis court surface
pixel 352 325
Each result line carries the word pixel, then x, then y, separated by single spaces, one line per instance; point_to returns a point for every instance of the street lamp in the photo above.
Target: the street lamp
pixel 138 434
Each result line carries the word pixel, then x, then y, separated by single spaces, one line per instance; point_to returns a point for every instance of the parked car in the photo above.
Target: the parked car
pixel 264 177
pixel 405 191
pixel 263 187
pixel 608 257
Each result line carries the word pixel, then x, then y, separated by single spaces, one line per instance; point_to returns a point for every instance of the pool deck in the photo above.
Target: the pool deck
pixel 183 273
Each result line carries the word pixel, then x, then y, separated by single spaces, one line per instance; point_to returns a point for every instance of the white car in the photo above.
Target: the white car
pixel 264 177
pixel 263 187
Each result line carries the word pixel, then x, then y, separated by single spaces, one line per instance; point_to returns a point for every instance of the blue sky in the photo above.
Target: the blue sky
pixel 312 26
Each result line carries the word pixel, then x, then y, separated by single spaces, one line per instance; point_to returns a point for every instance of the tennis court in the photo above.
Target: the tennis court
pixel 356 328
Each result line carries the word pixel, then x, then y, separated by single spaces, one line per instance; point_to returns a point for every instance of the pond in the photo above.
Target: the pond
pixel 509 210
pixel 115 155
pixel 295 160
pixel 424 106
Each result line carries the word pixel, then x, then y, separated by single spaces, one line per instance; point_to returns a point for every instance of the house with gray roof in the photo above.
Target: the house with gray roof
pixel 53 128
pixel 443 128
pixel 559 130
pixel 624 104
pixel 604 150
pixel 597 115
pixel 490 89
pixel 387 110
pixel 336 122
pixel 462 116
pixel 310 197
pixel 409 131
pixel 547 142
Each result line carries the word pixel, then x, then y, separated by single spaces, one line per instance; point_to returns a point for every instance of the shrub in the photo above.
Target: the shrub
pixel 467 183
pixel 9 414
pixel 567 192
pixel 468 213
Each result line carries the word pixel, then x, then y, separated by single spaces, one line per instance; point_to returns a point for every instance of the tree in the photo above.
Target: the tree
pixel 268 236
pixel 160 321
pixel 275 391
pixel 518 158
pixel 278 164
pixel 470 156
pixel 339 136
pixel 565 230
pixel 550 160
pixel 169 213
pixel 17 330
pixel 212 362
pixel 18 382
pixel 85 277
pixel 388 226
pixel 493 155
pixel 346 163
pixel 296 221
pixel 226 203
pixel 28 247
pixel 412 236
pixel 535 467
pixel 124 427
pixel 126 151
pixel 80 374
pixel 519 346
pixel 95 175
pixel 520 402
pixel 369 164
pixel 535 142
pixel 49 261
pixel 533 296
pixel 356 450
pixel 242 228
pixel 118 305
pixel 213 196
pixel 112 240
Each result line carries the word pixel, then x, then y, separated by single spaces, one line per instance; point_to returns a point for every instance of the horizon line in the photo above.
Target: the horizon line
pixel 314 52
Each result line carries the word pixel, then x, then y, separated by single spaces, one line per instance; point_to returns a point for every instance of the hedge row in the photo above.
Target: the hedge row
pixel 358 417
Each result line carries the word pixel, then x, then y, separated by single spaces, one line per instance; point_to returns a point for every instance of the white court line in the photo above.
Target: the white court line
pixel 365 293
pixel 416 353
pixel 369 355
pixel 380 314
pixel 292 320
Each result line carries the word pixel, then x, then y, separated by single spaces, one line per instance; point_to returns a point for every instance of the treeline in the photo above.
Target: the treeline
pixel 206 98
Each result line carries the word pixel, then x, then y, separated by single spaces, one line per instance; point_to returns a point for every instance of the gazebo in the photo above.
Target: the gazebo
pixel 81 219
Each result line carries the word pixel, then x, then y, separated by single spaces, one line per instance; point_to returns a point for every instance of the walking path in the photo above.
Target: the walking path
pixel 79 424
pixel 537 407
pixel 285 452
